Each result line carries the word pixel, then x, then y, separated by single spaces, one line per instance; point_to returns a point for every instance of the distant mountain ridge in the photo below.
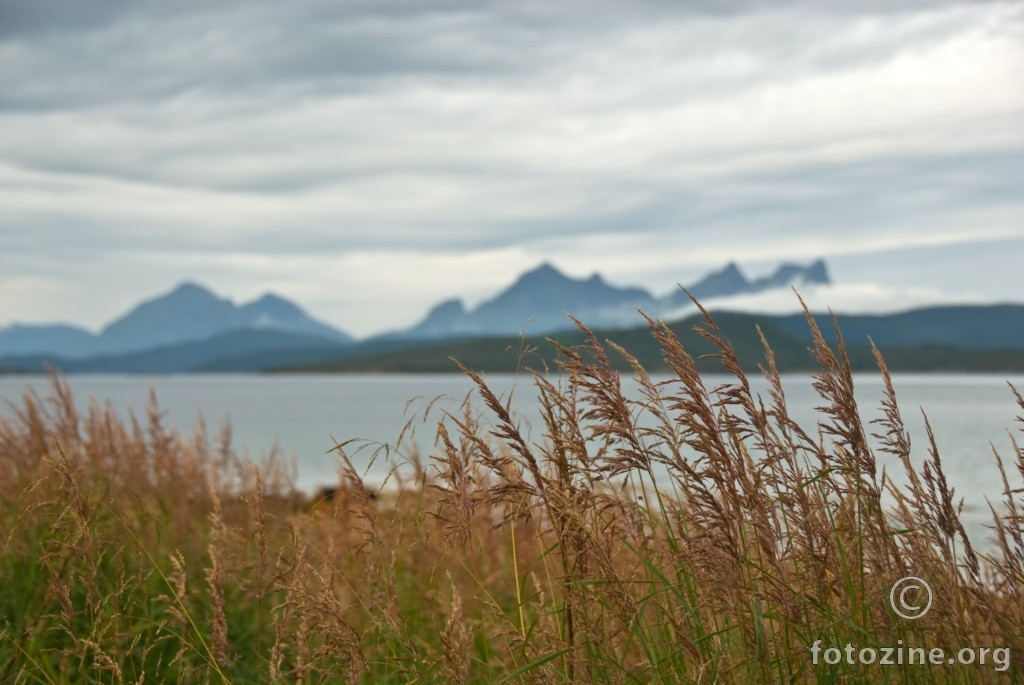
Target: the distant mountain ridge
pixel 191 329
pixel 952 338
pixel 730 281
pixel 922 340
pixel 977 327
pixel 538 301
pixel 189 313
pixel 60 339
pixel 242 349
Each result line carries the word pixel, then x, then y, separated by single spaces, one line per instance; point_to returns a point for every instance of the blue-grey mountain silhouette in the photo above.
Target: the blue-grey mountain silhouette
pixel 536 303
pixel 57 339
pixel 730 281
pixel 539 301
pixel 188 313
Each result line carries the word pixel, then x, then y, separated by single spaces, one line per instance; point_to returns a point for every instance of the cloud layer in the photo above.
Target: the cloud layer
pixel 369 158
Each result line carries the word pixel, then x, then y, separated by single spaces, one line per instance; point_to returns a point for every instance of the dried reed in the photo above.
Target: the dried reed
pixel 682 533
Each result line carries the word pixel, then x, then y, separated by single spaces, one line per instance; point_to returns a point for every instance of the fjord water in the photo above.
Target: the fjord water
pixel 305 415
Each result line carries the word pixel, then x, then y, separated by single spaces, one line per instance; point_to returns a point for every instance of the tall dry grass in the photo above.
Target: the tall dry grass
pixel 687 534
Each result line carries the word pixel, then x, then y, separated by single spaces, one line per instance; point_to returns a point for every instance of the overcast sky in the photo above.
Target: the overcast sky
pixel 368 159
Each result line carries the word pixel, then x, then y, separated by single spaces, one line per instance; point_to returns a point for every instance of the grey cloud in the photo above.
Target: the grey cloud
pixel 62 54
pixel 35 18
pixel 297 49
pixel 308 128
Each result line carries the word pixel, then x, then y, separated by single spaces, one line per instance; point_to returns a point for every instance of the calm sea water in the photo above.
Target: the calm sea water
pixel 306 414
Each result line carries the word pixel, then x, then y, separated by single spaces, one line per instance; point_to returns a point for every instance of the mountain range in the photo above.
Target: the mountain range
pixel 192 329
pixel 189 313
pixel 539 300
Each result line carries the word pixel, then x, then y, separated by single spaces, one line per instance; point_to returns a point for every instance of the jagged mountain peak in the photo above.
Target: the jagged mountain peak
pixel 539 299
pixel 731 269
pixel 185 293
pixel 817 273
pixel 272 299
pixel 188 288
pixel 544 273
pixel 273 305
pixel 789 273
pixel 271 311
pixel 449 307
pixel 728 280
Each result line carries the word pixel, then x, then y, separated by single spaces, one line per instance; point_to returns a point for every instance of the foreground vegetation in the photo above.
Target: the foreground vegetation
pixel 694 535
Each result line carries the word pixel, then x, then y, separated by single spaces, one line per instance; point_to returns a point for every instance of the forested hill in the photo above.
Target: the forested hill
pixel 992 346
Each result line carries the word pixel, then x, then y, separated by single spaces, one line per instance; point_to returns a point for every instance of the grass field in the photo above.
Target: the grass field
pixel 130 553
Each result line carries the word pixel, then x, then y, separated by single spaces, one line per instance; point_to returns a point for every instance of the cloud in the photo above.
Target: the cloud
pixel 846 298
pixel 610 136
